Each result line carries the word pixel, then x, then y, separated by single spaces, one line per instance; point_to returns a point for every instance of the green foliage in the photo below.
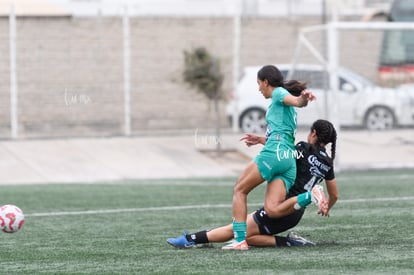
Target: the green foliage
pixel 369 230
pixel 202 71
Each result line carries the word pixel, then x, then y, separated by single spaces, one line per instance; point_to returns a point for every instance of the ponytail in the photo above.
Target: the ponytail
pixel 295 87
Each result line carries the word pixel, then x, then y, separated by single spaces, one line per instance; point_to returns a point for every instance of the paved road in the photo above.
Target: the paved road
pixel 112 159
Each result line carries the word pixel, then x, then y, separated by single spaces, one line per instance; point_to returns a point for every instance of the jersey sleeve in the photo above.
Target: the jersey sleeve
pixel 279 95
pixel 302 148
pixel 300 145
pixel 330 175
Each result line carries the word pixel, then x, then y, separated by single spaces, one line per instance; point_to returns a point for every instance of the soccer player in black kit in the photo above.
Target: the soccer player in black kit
pixel 313 166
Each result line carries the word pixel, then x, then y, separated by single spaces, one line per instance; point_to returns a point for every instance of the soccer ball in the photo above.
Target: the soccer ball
pixel 11 218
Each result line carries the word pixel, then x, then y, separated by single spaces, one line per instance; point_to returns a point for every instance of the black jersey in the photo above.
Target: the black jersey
pixel 312 166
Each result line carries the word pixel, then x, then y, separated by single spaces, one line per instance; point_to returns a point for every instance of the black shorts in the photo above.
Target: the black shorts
pixel 268 226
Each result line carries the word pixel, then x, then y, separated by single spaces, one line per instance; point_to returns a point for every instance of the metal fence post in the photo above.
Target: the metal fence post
pixel 333 60
pixel 127 74
pixel 236 63
pixel 13 77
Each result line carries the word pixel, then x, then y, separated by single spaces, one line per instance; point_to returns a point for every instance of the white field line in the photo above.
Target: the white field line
pixel 183 207
pixel 205 182
pixel 343 177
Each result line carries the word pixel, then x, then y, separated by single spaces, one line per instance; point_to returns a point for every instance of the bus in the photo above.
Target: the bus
pixel 397 52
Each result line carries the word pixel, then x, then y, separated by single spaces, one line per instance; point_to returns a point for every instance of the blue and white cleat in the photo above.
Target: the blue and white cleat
pixel 294 239
pixel 181 242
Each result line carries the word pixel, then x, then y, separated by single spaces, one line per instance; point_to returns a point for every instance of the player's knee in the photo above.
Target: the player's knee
pixel 238 188
pixel 238 194
pixel 272 210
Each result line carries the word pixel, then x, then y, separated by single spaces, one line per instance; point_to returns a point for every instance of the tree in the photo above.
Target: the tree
pixel 202 71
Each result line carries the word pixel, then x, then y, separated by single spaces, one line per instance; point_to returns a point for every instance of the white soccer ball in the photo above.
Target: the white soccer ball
pixel 11 218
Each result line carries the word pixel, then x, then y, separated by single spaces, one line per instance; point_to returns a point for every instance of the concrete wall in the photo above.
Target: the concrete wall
pixel 70 71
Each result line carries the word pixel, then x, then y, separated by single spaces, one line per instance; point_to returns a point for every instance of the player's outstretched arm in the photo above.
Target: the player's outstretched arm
pixel 299 101
pixel 250 139
pixel 332 190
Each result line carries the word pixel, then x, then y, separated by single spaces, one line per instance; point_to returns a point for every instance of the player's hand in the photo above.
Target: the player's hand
pixel 250 139
pixel 324 211
pixel 308 95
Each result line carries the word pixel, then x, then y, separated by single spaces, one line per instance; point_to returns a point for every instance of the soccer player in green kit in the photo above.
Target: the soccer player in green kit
pixel 313 166
pixel 276 161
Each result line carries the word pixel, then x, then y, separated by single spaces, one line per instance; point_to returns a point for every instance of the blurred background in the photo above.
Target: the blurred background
pixel 106 68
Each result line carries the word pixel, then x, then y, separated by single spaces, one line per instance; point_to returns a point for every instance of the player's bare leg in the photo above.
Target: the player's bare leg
pixel 248 181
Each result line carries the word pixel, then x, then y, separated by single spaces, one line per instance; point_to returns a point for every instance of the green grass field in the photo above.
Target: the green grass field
pixel 121 228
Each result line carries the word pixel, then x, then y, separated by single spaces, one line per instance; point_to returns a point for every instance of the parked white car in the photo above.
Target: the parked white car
pixel 360 102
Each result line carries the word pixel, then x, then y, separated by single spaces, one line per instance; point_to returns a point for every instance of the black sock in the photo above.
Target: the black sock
pixel 199 237
pixel 281 241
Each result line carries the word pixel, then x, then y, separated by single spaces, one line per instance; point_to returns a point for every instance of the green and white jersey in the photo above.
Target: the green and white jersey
pixel 281 119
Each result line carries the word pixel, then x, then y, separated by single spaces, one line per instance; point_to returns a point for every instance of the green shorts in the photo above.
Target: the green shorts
pixel 277 161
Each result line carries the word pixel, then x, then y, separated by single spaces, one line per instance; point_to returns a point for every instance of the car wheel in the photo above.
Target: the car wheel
pixel 379 118
pixel 253 121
